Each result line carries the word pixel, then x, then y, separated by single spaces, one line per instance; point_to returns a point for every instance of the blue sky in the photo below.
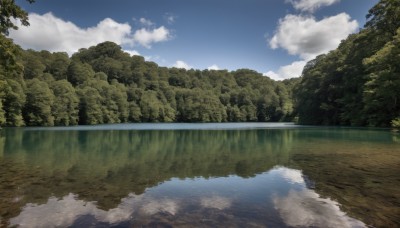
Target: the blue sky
pixel 273 37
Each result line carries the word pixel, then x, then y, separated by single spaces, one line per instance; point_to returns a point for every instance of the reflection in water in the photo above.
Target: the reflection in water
pixel 232 178
pixel 163 206
pixel 290 175
pixel 298 206
pixel 305 208
pixel 65 211
pixel 216 202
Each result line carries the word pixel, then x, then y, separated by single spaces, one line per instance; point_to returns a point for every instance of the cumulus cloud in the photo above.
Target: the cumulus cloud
pixel 48 32
pixel 213 67
pixel 146 36
pixel 145 22
pixel 306 37
pixel 289 71
pixel 182 64
pixel 311 5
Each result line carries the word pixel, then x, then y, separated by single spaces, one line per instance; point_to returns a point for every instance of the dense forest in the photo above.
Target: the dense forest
pixel 356 84
pixel 103 84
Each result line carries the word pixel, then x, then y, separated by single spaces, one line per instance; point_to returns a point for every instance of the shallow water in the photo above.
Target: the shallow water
pixel 208 175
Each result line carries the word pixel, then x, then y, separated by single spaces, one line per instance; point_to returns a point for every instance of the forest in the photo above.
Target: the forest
pixel 103 84
pixel 357 84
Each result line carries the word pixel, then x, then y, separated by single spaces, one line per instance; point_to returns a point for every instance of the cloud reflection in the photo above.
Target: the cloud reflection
pixel 166 206
pixel 293 176
pixel 65 211
pixel 216 202
pixel 306 208
pixel 297 206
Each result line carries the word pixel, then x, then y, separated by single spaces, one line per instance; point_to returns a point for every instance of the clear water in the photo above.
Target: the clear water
pixel 199 175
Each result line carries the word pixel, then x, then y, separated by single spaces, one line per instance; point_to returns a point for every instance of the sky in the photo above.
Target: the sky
pixel 273 37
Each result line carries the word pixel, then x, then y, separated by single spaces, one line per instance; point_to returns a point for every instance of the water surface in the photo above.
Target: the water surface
pixel 209 175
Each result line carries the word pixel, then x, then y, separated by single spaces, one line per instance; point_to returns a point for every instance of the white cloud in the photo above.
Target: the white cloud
pixel 213 67
pixel 153 58
pixel 292 70
pixel 271 74
pixel 146 36
pixel 48 32
pixel 307 38
pixel 132 52
pixel 182 64
pixel 311 5
pixel 146 22
pixel 170 18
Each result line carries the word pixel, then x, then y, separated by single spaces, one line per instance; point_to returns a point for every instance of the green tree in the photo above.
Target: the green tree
pixel 90 111
pixel 58 66
pixel 9 12
pixel 199 106
pixel 66 103
pixel 8 55
pixel 13 103
pixel 381 93
pixel 33 65
pixel 78 72
pixel 151 107
pixel 135 114
pixel 384 17
pixel 39 100
pixel 234 114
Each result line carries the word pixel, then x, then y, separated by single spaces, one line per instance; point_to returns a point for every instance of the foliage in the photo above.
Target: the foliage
pixel 9 11
pixel 384 17
pixel 358 83
pixel 14 102
pixel 39 100
pixel 103 84
pixel 9 14
pixel 66 103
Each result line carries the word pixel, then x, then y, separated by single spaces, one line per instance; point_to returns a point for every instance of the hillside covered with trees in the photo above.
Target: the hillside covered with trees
pixel 357 84
pixel 103 84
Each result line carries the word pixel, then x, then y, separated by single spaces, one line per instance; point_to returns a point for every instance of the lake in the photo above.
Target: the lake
pixel 199 175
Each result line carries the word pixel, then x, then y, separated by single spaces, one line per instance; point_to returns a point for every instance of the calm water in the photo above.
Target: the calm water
pixel 199 175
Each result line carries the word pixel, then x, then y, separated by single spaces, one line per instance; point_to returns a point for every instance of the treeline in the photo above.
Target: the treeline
pixel 358 83
pixel 103 84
